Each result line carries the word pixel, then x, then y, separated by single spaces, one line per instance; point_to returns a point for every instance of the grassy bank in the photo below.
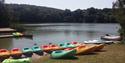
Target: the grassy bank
pixel 114 53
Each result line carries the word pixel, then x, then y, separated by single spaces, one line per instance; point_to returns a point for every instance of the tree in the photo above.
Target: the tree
pixel 119 12
pixel 3 15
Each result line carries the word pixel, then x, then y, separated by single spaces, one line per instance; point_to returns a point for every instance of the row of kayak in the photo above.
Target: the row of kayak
pixel 17 53
pixel 79 50
pixel 57 51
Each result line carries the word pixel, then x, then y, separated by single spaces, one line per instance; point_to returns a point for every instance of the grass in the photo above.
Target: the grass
pixel 114 53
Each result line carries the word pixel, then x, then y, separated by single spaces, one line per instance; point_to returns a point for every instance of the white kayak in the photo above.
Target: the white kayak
pixel 97 42
pixel 92 41
pixel 112 38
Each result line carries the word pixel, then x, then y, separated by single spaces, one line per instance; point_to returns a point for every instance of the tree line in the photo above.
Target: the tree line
pixel 23 13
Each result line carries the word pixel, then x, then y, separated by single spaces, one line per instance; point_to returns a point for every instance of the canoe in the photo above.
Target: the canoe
pixel 4 54
pixel 67 45
pixel 47 48
pixel 63 54
pixel 37 50
pixel 27 52
pixel 16 53
pixel 85 49
pixel 23 60
pixel 113 38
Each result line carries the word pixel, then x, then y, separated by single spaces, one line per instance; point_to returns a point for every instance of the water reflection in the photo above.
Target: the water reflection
pixel 6 43
pixel 60 33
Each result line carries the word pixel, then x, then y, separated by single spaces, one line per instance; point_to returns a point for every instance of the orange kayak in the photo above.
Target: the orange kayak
pixel 85 49
pixel 4 54
pixel 16 53
pixel 50 47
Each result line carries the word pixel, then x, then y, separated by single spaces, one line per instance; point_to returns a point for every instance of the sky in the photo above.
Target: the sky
pixel 66 4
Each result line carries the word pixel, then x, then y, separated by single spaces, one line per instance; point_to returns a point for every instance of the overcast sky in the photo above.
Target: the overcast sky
pixel 66 4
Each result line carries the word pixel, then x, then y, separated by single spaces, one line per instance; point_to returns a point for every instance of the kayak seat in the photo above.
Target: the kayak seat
pixel 26 48
pixel 58 51
pixel 15 49
pixel 75 42
pixel 2 50
pixel 45 46
pixel 53 45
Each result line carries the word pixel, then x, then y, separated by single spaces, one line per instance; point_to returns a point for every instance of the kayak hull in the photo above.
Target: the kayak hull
pixel 24 60
pixel 4 54
pixel 37 50
pixel 63 54
pixel 16 53
pixel 27 52
pixel 113 38
pixel 85 49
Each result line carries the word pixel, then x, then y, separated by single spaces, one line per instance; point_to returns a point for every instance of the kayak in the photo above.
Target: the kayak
pixel 4 54
pixel 16 34
pixel 77 44
pixel 85 49
pixel 113 38
pixel 55 47
pixel 37 50
pixel 92 42
pixel 23 60
pixel 27 52
pixel 50 47
pixel 16 53
pixel 63 54
pixel 99 47
pixel 67 45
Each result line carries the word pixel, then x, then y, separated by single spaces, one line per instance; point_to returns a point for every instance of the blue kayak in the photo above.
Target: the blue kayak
pixel 27 52
pixel 67 45
pixel 63 54
pixel 37 50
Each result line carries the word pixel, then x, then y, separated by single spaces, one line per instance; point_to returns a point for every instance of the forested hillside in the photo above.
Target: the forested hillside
pixel 38 14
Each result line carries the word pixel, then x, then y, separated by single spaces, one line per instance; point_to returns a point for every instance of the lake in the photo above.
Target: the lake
pixel 58 33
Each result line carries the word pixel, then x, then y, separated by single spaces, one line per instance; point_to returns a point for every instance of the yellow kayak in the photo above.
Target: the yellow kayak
pixel 85 49
pixel 98 46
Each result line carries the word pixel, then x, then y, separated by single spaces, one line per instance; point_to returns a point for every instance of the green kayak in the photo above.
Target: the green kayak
pixel 16 34
pixel 27 52
pixel 67 45
pixel 24 60
pixel 63 54
pixel 37 50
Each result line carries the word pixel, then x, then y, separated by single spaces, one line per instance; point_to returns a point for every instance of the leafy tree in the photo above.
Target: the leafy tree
pixel 119 12
pixel 3 15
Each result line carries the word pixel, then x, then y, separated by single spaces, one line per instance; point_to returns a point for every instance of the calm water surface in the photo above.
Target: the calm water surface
pixel 58 33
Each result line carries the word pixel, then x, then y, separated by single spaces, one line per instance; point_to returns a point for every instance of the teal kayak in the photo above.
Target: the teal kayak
pixel 67 45
pixel 27 52
pixel 63 54
pixel 23 60
pixel 37 50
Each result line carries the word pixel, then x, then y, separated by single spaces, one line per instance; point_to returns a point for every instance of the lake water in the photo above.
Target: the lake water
pixel 58 33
